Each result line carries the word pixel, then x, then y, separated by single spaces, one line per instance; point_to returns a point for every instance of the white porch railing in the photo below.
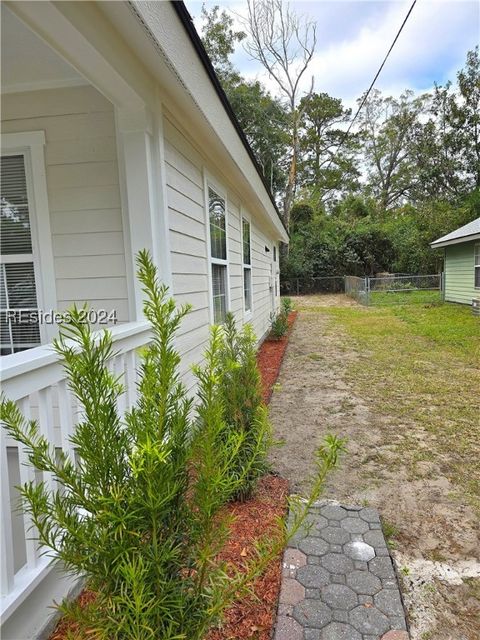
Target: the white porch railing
pixel 35 379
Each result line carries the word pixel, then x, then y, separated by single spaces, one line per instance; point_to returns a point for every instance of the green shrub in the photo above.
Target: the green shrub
pixel 245 412
pixel 279 325
pixel 287 305
pixel 138 516
pixel 139 513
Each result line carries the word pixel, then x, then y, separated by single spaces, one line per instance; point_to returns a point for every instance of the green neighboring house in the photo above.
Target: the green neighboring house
pixel 462 262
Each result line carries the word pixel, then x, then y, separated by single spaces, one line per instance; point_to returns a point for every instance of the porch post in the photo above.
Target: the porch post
pixel 143 208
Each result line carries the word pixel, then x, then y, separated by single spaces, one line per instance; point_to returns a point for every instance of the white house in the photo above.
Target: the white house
pixel 116 136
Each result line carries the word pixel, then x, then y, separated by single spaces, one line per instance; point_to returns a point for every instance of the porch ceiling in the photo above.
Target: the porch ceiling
pixel 27 62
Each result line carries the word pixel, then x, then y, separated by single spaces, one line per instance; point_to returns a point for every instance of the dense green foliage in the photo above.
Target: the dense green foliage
pixel 407 173
pixel 357 238
pixel 244 411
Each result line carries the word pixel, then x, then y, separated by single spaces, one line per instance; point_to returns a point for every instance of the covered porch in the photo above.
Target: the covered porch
pixel 83 191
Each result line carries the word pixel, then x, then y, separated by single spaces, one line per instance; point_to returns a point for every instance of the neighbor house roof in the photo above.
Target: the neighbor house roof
pixel 468 232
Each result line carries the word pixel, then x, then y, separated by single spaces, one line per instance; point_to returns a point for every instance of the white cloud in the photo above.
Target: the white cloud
pixel 354 36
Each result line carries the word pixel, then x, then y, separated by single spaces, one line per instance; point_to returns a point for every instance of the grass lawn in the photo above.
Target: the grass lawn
pixel 404 297
pixel 420 363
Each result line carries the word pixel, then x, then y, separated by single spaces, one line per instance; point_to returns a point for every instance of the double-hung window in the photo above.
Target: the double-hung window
pixel 18 293
pixel 247 265
pixel 477 265
pixel 218 254
pixel 27 276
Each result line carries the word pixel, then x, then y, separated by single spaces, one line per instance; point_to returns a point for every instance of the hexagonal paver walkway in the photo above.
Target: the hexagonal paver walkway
pixel 338 580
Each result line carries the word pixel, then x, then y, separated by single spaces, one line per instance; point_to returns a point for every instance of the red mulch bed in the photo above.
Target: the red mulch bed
pixel 65 627
pixel 253 616
pixel 270 356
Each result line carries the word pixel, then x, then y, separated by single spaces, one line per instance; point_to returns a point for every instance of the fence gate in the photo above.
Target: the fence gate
pixel 395 289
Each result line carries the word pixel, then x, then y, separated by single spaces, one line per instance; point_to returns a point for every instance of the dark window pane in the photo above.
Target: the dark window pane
pixel 218 235
pixel 16 234
pixel 246 242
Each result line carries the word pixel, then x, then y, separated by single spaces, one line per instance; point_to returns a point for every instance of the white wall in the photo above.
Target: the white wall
pixel 83 191
pixel 187 170
pixel 89 244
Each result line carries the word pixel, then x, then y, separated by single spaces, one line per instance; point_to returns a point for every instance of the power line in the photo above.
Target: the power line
pixel 373 82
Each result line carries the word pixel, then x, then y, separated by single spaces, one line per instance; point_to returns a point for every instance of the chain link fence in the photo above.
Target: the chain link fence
pixel 356 288
pixel 397 288
pixel 308 286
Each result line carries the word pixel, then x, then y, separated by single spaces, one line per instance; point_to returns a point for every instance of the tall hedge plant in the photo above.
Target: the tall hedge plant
pixel 139 512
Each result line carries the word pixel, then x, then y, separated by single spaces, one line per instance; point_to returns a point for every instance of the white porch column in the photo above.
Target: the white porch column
pixel 144 211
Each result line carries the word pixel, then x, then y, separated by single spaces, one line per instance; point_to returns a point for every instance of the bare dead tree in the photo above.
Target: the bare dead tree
pixel 284 43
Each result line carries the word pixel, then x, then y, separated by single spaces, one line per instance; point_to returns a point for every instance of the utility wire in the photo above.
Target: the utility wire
pixel 373 82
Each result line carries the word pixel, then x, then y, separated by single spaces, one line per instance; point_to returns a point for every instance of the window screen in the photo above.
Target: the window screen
pixel 219 287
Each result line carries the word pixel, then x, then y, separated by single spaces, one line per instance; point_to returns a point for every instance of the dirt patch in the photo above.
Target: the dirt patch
pixel 423 510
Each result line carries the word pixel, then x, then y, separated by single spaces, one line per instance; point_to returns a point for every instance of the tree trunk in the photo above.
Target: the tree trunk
pixel 292 176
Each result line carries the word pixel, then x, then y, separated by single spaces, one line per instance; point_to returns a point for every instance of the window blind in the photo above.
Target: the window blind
pixel 18 298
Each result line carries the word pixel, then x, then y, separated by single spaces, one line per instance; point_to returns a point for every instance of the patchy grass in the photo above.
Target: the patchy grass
pixel 420 363
pixel 389 531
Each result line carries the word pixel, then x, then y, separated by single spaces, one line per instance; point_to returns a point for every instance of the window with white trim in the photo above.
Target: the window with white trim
pixel 247 265
pixel 477 266
pixel 218 254
pixel 18 297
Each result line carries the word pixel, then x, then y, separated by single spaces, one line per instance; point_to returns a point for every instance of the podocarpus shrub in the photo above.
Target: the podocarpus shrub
pixel 245 413
pixel 279 325
pixel 139 513
pixel 287 305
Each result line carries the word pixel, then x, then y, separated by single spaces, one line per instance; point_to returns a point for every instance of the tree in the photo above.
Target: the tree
pixel 263 119
pixel 219 39
pixel 387 126
pixel 284 44
pixel 323 170
pixel 447 146
pixel 265 123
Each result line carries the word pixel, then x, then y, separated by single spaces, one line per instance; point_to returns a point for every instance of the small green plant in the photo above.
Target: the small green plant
pixel 244 412
pixel 287 305
pixel 279 325
pixel 389 531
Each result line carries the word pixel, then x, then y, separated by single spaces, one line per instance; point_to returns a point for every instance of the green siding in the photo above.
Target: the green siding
pixel 459 273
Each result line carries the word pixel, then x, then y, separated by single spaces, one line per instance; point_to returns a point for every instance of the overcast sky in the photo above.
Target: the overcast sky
pixel 353 36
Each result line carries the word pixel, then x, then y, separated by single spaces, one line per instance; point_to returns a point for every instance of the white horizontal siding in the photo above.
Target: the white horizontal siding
pixel 186 211
pixel 83 191
pixel 189 250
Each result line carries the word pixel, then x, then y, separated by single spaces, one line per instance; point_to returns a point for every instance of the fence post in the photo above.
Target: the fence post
pixel 367 290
